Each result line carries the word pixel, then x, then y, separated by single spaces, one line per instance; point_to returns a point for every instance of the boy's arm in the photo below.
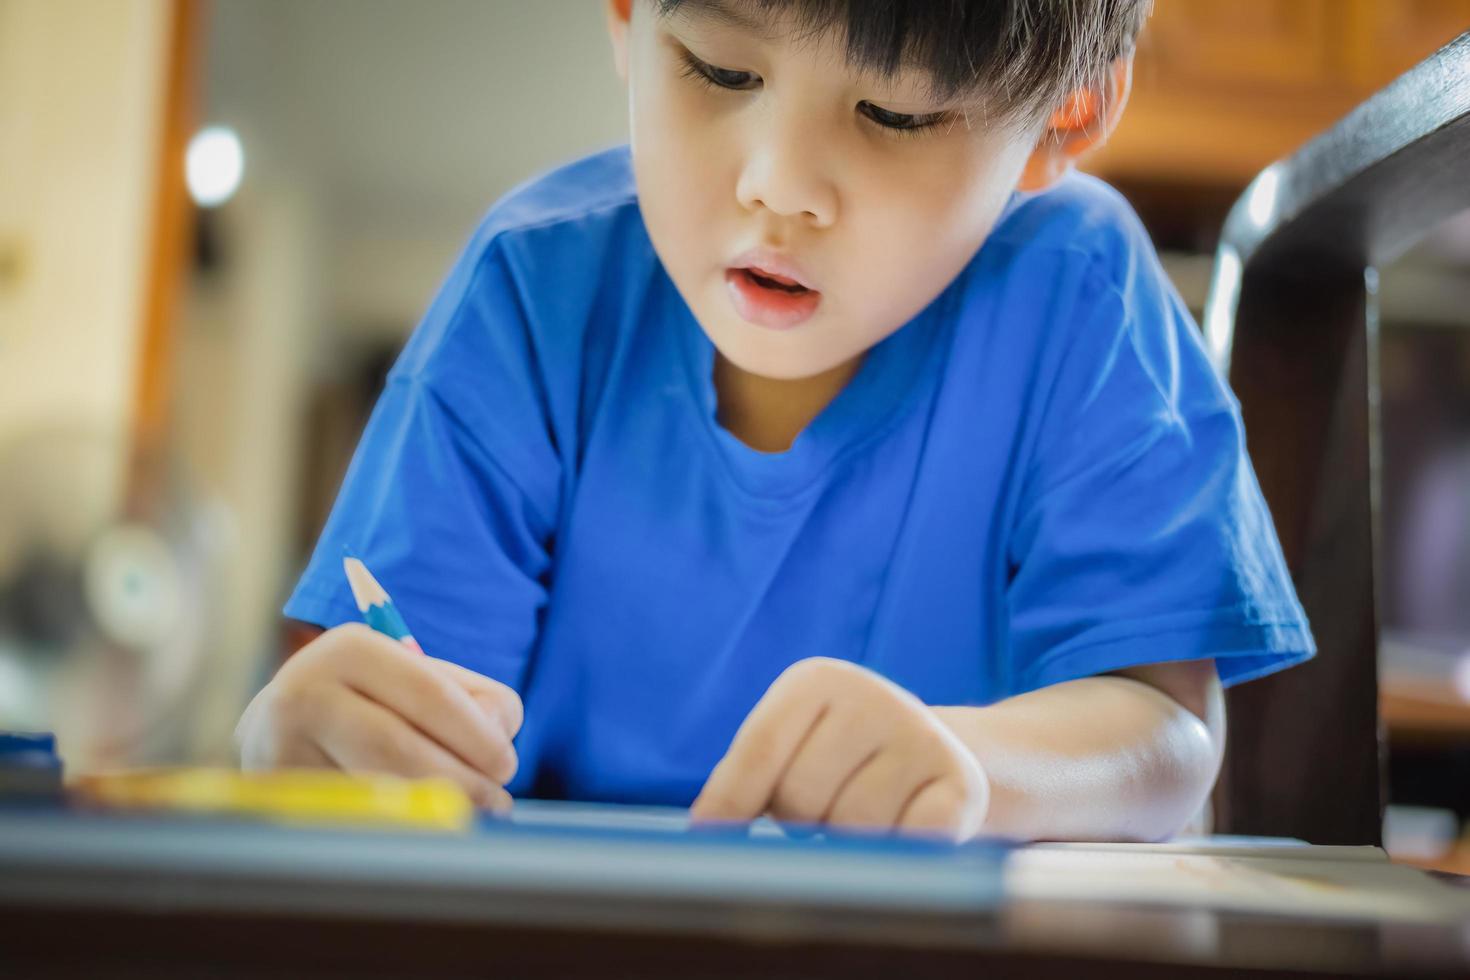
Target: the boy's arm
pixel 1130 755
pixel 1125 756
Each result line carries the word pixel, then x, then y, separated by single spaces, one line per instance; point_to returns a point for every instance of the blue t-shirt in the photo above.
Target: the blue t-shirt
pixel 1038 478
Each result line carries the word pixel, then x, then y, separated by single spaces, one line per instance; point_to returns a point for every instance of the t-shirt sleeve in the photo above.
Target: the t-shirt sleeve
pixel 1141 534
pixel 451 495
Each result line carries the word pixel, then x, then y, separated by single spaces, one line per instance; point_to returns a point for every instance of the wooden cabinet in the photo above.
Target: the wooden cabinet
pixel 1388 37
pixel 1222 89
pixel 1243 47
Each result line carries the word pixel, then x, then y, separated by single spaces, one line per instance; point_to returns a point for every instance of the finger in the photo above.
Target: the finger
pixel 936 809
pixel 281 749
pixel 835 748
pixel 876 794
pixel 495 706
pixel 499 699
pixel 741 785
pixel 303 754
pixel 360 735
pixel 404 683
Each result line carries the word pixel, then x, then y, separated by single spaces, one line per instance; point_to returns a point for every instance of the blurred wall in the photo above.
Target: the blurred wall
pixel 81 91
pixel 376 134
pixel 410 119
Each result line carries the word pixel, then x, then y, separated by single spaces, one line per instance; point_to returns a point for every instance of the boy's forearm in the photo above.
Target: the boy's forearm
pixel 1102 758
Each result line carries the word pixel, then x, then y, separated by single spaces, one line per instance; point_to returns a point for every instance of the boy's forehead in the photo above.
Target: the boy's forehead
pixel 766 22
pixel 739 15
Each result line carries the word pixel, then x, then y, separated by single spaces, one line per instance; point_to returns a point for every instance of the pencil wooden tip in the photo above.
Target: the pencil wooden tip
pixel 365 589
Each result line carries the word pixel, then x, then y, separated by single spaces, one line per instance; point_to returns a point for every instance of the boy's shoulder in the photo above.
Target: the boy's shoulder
pixel 543 253
pixel 600 183
pixel 1080 216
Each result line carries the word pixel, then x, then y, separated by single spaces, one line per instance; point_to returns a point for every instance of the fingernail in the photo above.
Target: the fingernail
pixel 483 794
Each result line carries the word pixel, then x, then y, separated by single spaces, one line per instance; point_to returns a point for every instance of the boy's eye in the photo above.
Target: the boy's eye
pixel 895 123
pixel 900 121
pixel 710 75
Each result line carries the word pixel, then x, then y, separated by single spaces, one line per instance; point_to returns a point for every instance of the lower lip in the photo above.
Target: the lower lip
pixel 772 308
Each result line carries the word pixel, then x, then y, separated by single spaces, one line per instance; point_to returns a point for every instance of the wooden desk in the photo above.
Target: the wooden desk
pixel 1420 700
pixel 171 898
pixel 1420 713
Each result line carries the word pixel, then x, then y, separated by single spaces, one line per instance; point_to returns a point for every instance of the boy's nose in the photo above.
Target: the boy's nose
pixel 787 175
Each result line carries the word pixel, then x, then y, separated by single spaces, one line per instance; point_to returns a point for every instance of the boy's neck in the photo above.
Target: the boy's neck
pixel 767 414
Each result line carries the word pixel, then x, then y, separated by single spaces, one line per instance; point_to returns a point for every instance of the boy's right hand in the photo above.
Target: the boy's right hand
pixel 356 700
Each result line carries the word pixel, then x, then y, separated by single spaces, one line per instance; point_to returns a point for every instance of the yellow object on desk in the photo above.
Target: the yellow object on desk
pixel 313 796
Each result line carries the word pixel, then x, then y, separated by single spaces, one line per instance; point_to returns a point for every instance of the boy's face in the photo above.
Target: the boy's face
pixel 788 155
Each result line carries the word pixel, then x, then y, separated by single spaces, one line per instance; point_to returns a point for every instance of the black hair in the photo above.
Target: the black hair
pixel 1018 59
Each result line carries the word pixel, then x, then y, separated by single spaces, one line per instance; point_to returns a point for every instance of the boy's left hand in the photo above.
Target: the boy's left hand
pixel 834 743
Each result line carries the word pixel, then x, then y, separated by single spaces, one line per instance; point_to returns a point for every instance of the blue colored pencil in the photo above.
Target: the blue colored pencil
pixel 376 605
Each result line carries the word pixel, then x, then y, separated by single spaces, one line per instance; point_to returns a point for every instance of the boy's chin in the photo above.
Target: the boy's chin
pixel 775 365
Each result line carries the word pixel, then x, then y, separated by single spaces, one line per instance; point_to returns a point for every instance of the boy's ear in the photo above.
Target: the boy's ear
pixel 1084 122
pixel 619 16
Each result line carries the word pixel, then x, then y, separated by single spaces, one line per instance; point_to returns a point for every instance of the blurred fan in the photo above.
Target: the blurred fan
pixel 103 615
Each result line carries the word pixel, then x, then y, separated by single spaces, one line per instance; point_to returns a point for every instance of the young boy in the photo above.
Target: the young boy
pixel 834 451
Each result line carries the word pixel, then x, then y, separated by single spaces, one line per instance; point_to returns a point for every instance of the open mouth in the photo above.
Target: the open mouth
pixel 768 300
pixel 768 281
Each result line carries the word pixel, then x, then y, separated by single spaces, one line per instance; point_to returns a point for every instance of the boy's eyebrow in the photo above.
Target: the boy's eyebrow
pixel 729 14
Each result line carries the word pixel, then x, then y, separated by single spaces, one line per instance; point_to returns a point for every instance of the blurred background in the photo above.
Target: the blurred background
pixel 220 220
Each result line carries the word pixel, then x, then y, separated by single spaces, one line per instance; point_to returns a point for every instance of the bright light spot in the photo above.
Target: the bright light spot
pixel 1220 306
pixel 214 165
pixel 1462 677
pixel 1263 196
